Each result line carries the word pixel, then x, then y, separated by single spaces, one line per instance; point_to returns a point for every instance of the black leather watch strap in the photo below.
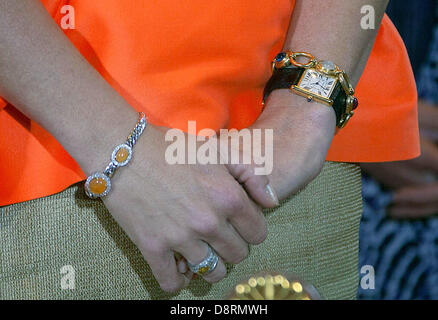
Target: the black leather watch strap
pixel 282 79
pixel 286 77
pixel 339 102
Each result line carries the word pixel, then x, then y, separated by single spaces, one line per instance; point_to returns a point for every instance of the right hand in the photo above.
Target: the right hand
pixel 167 209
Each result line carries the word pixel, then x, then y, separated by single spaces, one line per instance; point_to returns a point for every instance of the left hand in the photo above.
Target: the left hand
pixel 302 133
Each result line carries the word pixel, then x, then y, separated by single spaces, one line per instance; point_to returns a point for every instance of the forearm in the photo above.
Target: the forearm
pixel 303 131
pixel 331 30
pixel 46 78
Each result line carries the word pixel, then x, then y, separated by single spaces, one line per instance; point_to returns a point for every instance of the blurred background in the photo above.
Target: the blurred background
pixel 399 228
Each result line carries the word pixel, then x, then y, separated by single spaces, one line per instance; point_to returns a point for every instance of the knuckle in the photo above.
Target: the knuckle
pixel 153 247
pixel 230 199
pixel 207 224
pixel 235 201
pixel 176 239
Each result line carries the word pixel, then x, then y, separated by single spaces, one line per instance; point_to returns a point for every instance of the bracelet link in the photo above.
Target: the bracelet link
pixel 98 184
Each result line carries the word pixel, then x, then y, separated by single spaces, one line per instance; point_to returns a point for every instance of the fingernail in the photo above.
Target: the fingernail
pixel 182 266
pixel 270 191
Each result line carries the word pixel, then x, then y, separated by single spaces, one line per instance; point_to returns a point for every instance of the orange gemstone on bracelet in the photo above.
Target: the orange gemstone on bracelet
pixel 122 155
pixel 97 185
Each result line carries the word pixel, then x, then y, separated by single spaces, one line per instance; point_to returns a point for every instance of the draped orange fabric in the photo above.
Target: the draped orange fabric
pixel 206 61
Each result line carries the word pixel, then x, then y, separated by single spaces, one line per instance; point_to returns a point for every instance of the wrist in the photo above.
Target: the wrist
pixel 92 142
pixel 292 110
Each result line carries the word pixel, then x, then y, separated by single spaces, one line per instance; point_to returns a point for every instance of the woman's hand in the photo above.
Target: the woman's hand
pixel 302 133
pixel 163 208
pixel 167 209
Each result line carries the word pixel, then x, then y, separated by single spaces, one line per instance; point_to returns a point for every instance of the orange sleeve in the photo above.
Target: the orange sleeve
pixel 3 103
pixel 385 126
pixel 217 90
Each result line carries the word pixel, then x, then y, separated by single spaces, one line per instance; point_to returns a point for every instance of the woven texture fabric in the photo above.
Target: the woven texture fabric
pixel 313 235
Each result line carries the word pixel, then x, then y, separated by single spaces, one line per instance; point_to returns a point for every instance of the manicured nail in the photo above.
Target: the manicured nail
pixel 270 191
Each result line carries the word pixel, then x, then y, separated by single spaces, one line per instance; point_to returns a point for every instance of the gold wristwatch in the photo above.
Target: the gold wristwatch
pixel 321 81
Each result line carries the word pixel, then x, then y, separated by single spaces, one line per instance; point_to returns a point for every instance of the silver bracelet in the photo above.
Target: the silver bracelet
pixel 98 184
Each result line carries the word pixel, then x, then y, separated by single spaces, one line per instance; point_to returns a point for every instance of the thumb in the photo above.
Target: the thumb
pixel 254 179
pixel 257 186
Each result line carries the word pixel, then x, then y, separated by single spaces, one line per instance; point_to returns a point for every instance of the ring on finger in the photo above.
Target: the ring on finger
pixel 207 265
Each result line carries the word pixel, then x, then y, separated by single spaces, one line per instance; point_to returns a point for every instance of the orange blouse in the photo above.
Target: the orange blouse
pixel 206 61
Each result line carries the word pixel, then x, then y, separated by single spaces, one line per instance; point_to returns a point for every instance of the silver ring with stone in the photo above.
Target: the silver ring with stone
pixel 207 265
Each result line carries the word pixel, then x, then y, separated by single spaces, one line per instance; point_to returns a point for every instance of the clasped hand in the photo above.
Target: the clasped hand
pixel 171 212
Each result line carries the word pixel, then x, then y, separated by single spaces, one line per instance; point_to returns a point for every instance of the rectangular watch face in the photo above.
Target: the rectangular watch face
pixel 317 84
